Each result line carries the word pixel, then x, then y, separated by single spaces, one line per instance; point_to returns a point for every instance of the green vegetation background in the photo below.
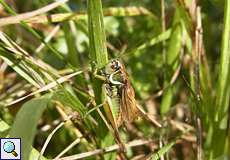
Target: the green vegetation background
pixel 170 53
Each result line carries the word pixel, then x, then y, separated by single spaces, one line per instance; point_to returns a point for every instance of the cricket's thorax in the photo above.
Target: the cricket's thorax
pixel 115 73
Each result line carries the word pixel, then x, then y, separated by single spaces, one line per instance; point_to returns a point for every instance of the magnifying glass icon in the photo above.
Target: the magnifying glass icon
pixel 9 147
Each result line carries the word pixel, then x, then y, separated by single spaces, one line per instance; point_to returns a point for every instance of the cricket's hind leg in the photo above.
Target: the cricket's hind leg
pixel 122 148
pixel 148 117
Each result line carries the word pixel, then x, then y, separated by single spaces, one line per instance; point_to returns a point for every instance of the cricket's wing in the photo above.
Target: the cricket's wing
pixel 129 111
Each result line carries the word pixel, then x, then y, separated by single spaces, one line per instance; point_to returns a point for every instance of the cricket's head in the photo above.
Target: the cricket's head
pixel 112 70
pixel 113 66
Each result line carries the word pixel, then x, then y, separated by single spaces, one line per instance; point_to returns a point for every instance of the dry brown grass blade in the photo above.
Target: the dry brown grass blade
pixel 50 136
pixel 133 143
pixel 46 87
pixel 59 17
pixel 18 51
pixel 74 143
pixel 27 15
pixel 48 38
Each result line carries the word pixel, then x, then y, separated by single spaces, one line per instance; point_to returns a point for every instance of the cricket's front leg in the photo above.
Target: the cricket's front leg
pixel 98 76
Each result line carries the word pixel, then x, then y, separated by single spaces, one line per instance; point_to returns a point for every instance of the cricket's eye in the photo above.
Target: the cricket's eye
pixel 116 65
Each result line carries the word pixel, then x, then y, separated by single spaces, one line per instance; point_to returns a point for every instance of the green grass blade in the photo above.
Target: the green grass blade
pixel 35 154
pixel 155 40
pixel 25 65
pixel 33 32
pixel 167 147
pixel 99 55
pixel 71 44
pixel 68 98
pixel 163 150
pixel 25 123
pixel 172 62
pixel 4 128
pixel 222 97
pixel 20 67
pixel 98 50
pixel 223 90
